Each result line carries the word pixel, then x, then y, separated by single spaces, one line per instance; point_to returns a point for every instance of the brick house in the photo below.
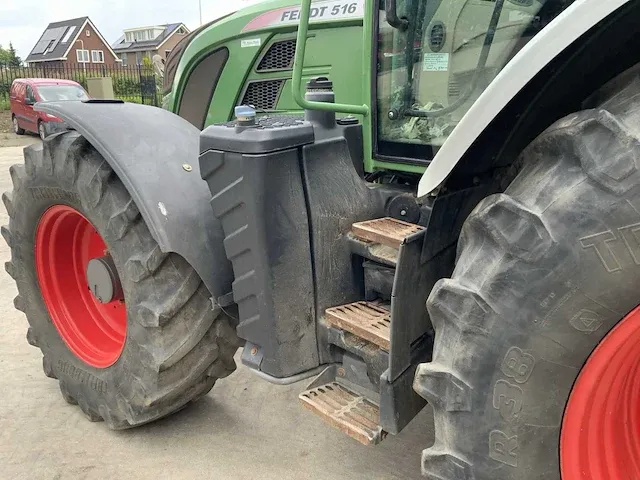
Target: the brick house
pixel 74 41
pixel 137 43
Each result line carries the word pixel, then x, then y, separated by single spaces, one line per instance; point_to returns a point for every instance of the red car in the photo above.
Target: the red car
pixel 25 92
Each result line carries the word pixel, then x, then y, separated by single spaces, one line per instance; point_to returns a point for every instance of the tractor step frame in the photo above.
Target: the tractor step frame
pixel 368 320
pixel 346 410
pixel 385 231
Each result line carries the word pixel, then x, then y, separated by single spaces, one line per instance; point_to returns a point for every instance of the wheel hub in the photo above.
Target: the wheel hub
pixel 103 280
pixel 601 427
pixel 80 286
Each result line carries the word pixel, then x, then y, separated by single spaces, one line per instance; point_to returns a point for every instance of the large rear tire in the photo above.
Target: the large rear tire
pixel 167 349
pixel 544 274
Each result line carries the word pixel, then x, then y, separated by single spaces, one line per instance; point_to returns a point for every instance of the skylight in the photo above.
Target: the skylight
pixel 67 35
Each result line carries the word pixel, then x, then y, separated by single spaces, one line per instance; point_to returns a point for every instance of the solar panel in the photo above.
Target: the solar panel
pixel 50 35
pixel 40 47
pixel 57 34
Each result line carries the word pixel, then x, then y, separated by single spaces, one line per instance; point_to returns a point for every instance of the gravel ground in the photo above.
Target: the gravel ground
pixel 243 429
pixel 5 121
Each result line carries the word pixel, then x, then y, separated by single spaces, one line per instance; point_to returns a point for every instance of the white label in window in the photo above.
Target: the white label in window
pixel 518 16
pixel 435 62
pixel 251 42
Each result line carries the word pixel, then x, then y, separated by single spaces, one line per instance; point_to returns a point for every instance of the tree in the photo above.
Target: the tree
pixel 4 56
pixel 14 59
pixel 9 56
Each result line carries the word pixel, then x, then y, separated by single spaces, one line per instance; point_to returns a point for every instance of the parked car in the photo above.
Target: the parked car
pixel 25 92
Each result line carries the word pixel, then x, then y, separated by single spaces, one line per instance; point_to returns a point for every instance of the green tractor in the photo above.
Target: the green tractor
pixel 246 58
pixel 466 235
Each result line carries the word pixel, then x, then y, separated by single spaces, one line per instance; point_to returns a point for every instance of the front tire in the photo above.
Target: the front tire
pixel 544 272
pixel 16 128
pixel 42 131
pixel 174 346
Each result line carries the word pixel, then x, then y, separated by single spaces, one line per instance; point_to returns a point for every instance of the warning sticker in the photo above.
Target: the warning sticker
pixel 250 42
pixel 518 16
pixel 320 11
pixel 435 62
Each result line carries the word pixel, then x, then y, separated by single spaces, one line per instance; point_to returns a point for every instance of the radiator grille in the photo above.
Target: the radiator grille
pixel 263 95
pixel 279 56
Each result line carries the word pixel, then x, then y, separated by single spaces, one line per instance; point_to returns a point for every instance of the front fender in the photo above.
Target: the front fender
pixel 155 155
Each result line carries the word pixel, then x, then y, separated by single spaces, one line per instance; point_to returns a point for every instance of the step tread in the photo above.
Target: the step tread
pixel 350 412
pixel 368 320
pixel 387 231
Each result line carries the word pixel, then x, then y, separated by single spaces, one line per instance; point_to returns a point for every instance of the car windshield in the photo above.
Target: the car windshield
pixel 52 93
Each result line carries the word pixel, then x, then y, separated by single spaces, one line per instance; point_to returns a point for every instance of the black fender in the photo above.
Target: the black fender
pixel 155 154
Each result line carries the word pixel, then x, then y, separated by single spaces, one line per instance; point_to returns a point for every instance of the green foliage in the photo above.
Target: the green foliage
pixel 9 56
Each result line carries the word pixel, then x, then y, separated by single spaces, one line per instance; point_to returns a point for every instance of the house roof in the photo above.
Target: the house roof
pixel 57 39
pixel 56 32
pixel 121 44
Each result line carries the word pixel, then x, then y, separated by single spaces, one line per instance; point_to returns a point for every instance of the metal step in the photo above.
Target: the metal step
pixel 386 231
pixel 368 320
pixel 341 408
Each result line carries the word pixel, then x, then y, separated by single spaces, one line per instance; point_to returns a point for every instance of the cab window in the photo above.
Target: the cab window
pixel 435 58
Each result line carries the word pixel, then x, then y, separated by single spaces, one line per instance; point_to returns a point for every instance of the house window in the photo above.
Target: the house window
pixel 123 57
pixel 139 58
pixel 181 31
pixel 49 47
pixel 83 56
pixel 97 56
pixel 88 33
pixel 166 53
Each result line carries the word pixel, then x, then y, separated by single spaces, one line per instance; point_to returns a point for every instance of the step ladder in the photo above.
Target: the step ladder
pixel 346 410
pixel 386 231
pixel 368 320
pixel 337 404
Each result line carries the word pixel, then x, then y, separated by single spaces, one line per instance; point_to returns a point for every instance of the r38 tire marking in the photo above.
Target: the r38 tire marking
pixel 508 400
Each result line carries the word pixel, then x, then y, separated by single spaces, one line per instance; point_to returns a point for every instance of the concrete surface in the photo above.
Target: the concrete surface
pixel 244 429
pixel 13 140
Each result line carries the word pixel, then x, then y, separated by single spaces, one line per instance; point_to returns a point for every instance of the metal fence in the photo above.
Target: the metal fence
pixel 134 83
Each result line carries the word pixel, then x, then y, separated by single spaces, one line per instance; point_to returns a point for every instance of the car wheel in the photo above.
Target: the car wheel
pixel 42 131
pixel 16 128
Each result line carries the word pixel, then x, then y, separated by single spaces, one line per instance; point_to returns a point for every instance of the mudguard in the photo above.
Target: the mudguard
pixel 155 154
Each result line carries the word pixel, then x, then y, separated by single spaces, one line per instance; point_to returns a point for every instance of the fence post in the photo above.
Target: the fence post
pixel 140 83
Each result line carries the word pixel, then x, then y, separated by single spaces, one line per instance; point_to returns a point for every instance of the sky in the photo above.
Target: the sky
pixel 23 21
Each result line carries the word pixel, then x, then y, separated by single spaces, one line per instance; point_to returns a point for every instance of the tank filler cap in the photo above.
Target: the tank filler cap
pixel 245 115
pixel 348 120
pixel 320 83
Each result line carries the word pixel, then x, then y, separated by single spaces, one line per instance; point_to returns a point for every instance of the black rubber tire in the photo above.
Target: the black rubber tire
pixel 17 130
pixel 41 130
pixel 535 289
pixel 176 345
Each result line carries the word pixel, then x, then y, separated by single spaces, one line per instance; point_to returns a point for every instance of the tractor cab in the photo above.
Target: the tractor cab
pixel 434 59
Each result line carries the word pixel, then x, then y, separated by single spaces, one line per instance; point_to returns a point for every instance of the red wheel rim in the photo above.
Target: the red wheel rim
pixel 65 242
pixel 600 436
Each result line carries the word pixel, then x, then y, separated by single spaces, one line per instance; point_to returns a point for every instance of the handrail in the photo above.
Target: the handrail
pixel 298 62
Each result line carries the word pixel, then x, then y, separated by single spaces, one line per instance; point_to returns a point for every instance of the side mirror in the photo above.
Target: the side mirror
pixel 28 101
